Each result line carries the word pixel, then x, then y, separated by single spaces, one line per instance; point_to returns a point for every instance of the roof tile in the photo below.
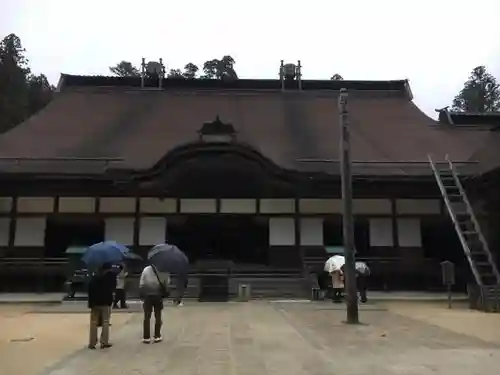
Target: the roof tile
pixel 142 126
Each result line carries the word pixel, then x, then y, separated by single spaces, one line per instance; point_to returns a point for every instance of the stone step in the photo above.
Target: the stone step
pixel 260 285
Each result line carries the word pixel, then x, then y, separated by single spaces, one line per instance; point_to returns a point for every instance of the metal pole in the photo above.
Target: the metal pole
pixel 347 217
pixel 143 71
pixel 448 290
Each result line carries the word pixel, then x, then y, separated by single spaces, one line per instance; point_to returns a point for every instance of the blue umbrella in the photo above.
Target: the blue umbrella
pixel 105 252
pixel 169 258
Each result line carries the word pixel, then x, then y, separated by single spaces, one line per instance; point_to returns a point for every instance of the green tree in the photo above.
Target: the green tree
pixel 190 71
pixel 220 69
pixel 481 93
pixel 14 71
pixel 175 73
pixel 40 92
pixel 22 94
pixel 125 69
pixel 337 77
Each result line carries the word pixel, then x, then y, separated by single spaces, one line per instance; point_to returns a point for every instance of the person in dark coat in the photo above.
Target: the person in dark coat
pixel 362 273
pixel 100 298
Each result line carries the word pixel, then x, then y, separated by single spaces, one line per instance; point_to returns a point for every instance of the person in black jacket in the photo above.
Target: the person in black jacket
pixel 100 298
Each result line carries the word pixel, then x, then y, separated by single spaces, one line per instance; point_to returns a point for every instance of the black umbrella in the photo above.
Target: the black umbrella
pixel 169 258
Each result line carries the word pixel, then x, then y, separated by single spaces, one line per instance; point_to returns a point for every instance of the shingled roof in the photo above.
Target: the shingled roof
pixel 110 117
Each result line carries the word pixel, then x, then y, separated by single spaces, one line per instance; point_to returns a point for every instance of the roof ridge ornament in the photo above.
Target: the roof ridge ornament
pixel 152 69
pixel 444 115
pixel 217 131
pixel 290 72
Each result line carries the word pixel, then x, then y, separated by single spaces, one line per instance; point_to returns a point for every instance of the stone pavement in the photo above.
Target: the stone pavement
pixel 459 318
pixel 29 342
pixel 285 338
pixel 30 298
pixel 376 296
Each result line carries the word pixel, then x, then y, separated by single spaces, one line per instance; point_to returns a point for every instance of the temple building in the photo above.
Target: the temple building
pixel 243 170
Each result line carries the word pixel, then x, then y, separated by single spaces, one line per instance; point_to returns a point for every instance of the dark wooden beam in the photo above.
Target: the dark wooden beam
pixel 137 223
pixel 13 223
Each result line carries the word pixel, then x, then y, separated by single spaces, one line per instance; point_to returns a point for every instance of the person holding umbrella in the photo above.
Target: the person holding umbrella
pixel 362 273
pixel 100 298
pixel 164 259
pixel 338 285
pixel 102 256
pixel 152 290
pixel 334 266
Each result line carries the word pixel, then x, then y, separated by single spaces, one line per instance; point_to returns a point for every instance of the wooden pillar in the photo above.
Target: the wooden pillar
pixel 55 208
pixel 394 217
pixel 97 208
pixel 395 237
pixel 13 224
pixel 296 217
pixel 137 223
pixel 97 205
pixel 177 205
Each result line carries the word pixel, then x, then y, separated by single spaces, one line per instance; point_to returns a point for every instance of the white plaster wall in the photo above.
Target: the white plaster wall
pixel 76 204
pixel 418 206
pixel 409 232
pixel 311 231
pixel 320 206
pixel 5 204
pixel 157 206
pixel 238 206
pixel 198 206
pixel 152 230
pixel 372 206
pixel 281 231
pixel 277 206
pixel 119 229
pixel 35 204
pixel 117 205
pixel 30 231
pixel 381 232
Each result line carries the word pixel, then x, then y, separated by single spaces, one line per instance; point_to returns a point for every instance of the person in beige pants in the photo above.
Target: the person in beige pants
pixel 338 285
pixel 100 298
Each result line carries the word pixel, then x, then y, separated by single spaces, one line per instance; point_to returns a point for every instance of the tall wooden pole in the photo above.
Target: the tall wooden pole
pixel 347 217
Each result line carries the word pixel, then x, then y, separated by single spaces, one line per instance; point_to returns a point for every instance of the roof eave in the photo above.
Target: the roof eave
pixel 61 82
pixel 409 93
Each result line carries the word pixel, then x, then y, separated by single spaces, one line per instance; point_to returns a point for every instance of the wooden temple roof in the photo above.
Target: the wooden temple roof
pixel 114 121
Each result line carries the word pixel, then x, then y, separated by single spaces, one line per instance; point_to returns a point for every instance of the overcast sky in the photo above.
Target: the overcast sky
pixel 434 43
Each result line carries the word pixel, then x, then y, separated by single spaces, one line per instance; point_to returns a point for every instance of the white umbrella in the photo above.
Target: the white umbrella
pixel 334 263
pixel 362 268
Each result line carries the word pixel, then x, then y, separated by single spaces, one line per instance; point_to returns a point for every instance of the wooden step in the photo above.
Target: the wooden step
pixel 483 264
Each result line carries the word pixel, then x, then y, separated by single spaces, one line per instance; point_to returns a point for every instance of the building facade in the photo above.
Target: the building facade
pixel 244 170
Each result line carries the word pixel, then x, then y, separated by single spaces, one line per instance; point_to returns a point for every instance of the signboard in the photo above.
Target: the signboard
pixel 448 272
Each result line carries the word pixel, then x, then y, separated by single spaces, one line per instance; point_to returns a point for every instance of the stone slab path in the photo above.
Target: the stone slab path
pixel 285 338
pixel 30 342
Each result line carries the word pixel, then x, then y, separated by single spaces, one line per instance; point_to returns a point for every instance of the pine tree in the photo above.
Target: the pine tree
pixel 481 93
